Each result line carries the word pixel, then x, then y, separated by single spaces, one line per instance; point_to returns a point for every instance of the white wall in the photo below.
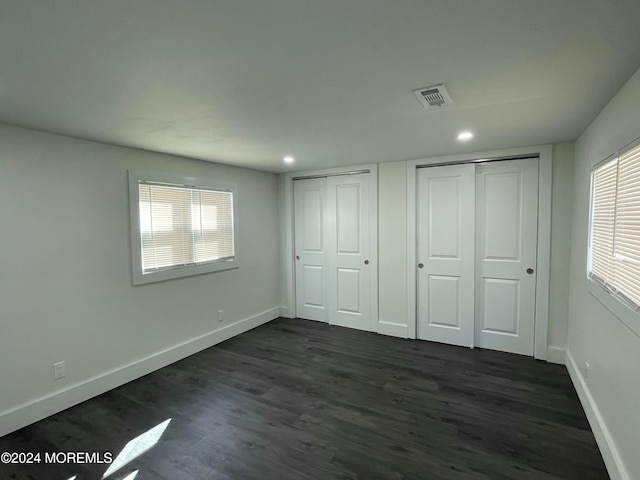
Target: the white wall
pixel 392 244
pixel 65 272
pixel 561 201
pixel 595 334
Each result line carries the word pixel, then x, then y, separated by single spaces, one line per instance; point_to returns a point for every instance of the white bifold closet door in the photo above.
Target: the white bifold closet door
pixel 331 217
pixel 507 238
pixel 477 244
pixel 310 205
pixel 446 217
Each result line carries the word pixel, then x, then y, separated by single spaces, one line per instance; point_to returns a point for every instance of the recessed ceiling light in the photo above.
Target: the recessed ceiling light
pixel 464 136
pixel 288 159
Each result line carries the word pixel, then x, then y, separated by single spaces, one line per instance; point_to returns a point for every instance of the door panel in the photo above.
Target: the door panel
pixel 312 222
pixel 310 246
pixel 349 291
pixel 500 218
pixel 347 218
pixel 445 218
pixel 501 298
pixel 312 285
pixel 444 301
pixel 348 246
pixel 507 216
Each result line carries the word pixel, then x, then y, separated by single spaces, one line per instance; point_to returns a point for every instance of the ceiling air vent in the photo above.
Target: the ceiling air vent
pixel 433 96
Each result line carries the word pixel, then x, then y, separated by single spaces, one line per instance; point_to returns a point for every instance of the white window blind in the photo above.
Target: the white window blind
pixel 603 221
pixel 184 226
pixel 615 226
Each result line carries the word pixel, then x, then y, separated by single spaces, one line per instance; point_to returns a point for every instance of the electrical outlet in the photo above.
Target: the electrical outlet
pixel 220 315
pixel 587 371
pixel 58 370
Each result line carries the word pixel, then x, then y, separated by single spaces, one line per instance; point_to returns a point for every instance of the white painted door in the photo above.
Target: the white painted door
pixel 446 244
pixel 332 245
pixel 507 229
pixel 348 244
pixel 310 199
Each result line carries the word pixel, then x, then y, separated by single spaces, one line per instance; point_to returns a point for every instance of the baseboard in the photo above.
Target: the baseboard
pixel 556 355
pixel 34 410
pixel 392 329
pixel 608 449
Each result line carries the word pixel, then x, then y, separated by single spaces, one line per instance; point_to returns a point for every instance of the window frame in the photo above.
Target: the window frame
pixel 135 177
pixel 618 304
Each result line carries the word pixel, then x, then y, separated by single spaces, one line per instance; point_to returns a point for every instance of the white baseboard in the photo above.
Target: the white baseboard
pixel 392 329
pixel 608 448
pixel 34 410
pixel 556 355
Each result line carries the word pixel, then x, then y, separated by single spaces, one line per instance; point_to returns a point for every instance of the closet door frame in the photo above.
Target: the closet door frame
pixel 544 153
pixel 288 279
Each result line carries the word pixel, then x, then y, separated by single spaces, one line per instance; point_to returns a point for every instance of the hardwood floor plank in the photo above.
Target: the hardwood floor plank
pixel 296 399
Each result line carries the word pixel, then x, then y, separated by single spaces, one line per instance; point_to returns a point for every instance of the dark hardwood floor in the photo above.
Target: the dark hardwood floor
pixel 297 399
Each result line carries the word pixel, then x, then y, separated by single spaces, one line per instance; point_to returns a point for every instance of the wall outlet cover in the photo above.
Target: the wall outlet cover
pixel 587 371
pixel 58 370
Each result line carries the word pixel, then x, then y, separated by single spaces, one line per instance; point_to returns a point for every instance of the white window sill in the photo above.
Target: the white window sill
pixel 140 278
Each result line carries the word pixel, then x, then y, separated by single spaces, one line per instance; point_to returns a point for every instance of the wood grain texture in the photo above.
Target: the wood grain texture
pixel 296 399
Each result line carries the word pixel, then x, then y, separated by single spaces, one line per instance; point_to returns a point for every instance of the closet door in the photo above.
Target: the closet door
pixel 446 244
pixel 332 246
pixel 348 245
pixel 507 229
pixel 310 199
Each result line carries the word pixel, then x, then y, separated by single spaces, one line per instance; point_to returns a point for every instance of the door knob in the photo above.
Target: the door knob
pixel 366 262
pixel 529 271
pixel 420 265
pixel 297 257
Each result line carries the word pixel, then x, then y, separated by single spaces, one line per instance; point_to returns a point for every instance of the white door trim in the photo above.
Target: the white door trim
pixel 288 234
pixel 544 233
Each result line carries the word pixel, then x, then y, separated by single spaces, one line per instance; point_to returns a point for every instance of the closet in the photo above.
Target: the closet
pixel 476 250
pixel 333 268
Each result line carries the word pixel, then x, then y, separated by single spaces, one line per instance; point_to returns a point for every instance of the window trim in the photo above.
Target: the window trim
pixel 135 176
pixel 615 302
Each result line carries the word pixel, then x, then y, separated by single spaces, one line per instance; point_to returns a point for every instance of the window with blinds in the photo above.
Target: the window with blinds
pixel 180 230
pixel 614 253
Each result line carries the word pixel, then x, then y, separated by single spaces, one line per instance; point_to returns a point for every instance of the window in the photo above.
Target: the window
pixel 614 253
pixel 180 226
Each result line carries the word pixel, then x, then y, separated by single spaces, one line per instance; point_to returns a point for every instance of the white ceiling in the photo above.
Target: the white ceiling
pixel 245 82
